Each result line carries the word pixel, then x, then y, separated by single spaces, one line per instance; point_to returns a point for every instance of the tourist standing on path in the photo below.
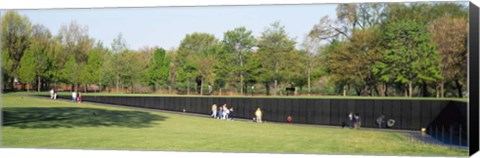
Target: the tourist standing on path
pixel 258 115
pixel 214 111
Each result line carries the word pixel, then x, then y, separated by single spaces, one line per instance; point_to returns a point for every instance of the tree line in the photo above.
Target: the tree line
pixel 371 49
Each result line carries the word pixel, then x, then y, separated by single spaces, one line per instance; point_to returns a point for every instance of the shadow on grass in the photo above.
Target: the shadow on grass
pixel 58 117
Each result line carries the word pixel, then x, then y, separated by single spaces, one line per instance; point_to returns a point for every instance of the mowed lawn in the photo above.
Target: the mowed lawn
pixel 44 123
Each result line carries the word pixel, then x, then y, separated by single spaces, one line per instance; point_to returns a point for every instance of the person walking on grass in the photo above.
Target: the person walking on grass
pixel 74 96
pixel 214 111
pixel 258 115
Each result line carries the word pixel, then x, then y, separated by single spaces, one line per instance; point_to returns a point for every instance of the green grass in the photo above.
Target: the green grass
pixel 44 123
pixel 241 96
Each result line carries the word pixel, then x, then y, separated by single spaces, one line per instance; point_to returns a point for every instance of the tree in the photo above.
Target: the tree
pixel 132 68
pixel 15 41
pixel 450 35
pixel 350 62
pixel 35 62
pixel 190 45
pixel 359 16
pixel 293 70
pixel 239 41
pixel 409 56
pixel 424 13
pixel 158 68
pixel 27 68
pixel 76 43
pixel 95 64
pixel 204 63
pixel 274 42
pixel 71 71
pixel 171 55
pixel 119 45
pixel 320 32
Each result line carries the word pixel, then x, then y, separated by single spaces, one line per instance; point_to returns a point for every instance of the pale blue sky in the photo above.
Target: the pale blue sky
pixel 167 26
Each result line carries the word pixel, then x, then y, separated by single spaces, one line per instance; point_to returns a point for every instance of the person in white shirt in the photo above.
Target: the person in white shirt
pixel 52 93
pixel 74 96
pixel 351 120
pixel 227 113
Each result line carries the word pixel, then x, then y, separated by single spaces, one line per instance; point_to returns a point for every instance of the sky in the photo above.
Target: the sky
pixel 167 26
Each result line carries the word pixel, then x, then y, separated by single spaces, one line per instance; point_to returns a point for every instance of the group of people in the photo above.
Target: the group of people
pixel 355 120
pixel 53 94
pixel 76 97
pixel 222 112
pixel 227 113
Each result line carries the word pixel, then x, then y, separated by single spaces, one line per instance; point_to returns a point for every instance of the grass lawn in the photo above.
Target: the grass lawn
pixel 44 123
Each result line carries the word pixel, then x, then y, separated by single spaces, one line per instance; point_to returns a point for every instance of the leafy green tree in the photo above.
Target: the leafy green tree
pixel 15 41
pixel 171 56
pixel 239 41
pixel 76 43
pixel 57 58
pixel 108 70
pixel 95 64
pixel 192 44
pixel 204 63
pixel 132 68
pixel 365 49
pixel 72 70
pixel 6 66
pixel 34 65
pixel 158 68
pixel 293 71
pixel 273 44
pixel 409 56
pixel 27 68
pixel 337 60
pixel 118 46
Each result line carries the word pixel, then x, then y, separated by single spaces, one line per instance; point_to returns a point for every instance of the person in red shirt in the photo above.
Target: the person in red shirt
pixel 79 98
